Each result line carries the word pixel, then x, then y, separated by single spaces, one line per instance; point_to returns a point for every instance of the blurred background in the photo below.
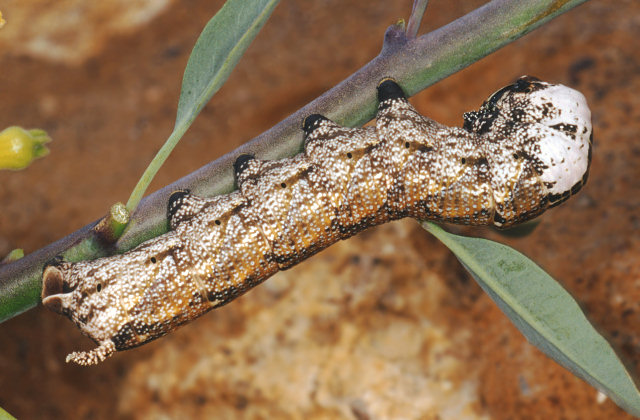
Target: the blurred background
pixel 385 325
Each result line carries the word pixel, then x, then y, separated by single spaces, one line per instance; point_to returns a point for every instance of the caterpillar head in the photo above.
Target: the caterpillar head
pixel 549 123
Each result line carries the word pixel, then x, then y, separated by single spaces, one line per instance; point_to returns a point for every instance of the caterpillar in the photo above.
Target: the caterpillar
pixel 527 149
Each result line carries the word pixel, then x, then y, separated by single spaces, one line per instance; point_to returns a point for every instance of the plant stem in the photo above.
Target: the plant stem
pixel 417 12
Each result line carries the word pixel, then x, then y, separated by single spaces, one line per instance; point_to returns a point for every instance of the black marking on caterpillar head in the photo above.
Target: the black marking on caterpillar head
pixel 389 90
pixel 526 84
pixel 312 122
pixel 470 118
pixel 555 199
pixel 242 163
pixel 568 129
pixel 481 121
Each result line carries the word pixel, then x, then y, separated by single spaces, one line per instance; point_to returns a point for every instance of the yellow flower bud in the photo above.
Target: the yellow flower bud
pixel 19 147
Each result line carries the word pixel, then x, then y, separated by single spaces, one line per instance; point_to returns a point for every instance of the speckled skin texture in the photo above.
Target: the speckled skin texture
pixel 528 148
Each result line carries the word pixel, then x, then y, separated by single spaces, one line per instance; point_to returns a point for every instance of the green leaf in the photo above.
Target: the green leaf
pixel 5 416
pixel 217 51
pixel 545 313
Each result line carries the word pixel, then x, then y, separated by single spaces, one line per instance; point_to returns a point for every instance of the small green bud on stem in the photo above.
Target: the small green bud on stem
pixel 19 147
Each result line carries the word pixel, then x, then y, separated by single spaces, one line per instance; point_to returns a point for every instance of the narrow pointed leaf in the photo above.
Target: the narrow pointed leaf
pixel 218 49
pixel 545 313
pixel 3 414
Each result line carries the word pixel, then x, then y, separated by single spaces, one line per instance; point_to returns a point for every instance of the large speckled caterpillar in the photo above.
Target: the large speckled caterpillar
pixel 527 149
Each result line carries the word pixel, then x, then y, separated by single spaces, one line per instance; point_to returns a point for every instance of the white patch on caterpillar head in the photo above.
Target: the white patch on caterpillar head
pixel 564 136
